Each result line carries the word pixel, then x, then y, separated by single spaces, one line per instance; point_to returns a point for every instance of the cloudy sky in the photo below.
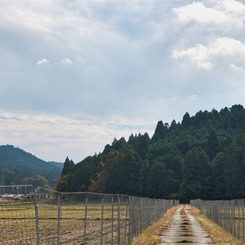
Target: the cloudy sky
pixel 75 74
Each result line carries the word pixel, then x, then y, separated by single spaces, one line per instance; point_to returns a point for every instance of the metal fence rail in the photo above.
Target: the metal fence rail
pixel 227 214
pixel 77 218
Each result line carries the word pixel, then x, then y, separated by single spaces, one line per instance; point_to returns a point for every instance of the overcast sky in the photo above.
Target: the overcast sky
pixel 75 74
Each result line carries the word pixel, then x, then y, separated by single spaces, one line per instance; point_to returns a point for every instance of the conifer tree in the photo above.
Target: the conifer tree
pixel 68 166
pixel 213 144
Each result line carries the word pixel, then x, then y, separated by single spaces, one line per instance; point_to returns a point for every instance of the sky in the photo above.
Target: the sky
pixel 75 74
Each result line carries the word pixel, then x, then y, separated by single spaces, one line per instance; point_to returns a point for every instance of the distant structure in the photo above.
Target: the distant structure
pixel 15 190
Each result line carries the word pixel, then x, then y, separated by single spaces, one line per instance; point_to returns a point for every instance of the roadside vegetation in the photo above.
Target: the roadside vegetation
pixel 151 235
pixel 219 235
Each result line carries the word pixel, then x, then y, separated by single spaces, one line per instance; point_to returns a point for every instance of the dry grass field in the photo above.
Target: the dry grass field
pixel 18 223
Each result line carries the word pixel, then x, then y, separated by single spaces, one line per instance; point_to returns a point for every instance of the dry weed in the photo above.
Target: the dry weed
pixel 219 235
pixel 151 234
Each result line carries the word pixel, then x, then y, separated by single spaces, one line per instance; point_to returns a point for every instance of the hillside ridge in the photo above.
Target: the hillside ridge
pixel 201 157
pixel 17 164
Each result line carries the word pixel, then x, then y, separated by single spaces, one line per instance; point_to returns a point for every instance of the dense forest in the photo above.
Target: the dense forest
pixel 201 157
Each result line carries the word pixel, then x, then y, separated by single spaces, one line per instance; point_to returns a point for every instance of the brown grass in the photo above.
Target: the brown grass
pixel 151 234
pixel 18 224
pixel 219 235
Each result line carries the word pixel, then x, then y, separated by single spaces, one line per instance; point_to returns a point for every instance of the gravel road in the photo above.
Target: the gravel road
pixel 185 229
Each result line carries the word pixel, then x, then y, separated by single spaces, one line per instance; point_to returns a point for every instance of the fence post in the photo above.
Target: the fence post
pixel 102 216
pixel 112 218
pixel 85 220
pixel 243 220
pixel 149 212
pixel 229 215
pixel 58 224
pixel 132 218
pixel 129 219
pixel 140 214
pixel 155 210
pixel 130 232
pixel 37 220
pixel 238 206
pixel 118 221
pixel 234 220
pixel 126 221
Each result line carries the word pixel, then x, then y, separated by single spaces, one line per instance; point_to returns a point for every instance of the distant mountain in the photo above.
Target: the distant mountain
pixel 57 164
pixel 16 164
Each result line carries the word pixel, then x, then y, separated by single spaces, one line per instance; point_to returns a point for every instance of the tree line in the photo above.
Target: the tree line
pixel 202 156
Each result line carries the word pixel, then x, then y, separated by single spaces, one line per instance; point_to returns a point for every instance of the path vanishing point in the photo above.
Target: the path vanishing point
pixel 184 228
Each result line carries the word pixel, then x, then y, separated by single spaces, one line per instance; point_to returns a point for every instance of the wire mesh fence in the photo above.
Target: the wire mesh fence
pixel 49 217
pixel 227 214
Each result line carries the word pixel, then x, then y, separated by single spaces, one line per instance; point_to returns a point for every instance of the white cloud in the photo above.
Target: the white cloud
pixel 198 12
pixel 194 97
pixel 81 59
pixel 231 6
pixel 237 68
pixel 42 61
pixel 53 137
pixel 226 46
pixel 202 55
pixel 197 53
pixel 224 14
pixel 66 61
pixel 205 66
pixel 33 15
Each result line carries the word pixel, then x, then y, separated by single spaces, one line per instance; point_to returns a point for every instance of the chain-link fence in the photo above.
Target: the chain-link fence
pixel 227 214
pixel 49 217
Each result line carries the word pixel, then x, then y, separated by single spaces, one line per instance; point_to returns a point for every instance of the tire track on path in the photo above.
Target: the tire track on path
pixel 184 228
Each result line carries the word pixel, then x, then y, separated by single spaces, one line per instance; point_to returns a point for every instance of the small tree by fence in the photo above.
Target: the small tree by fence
pixel 50 217
pixel 227 214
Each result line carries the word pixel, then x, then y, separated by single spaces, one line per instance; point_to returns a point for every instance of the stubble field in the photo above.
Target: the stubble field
pixel 21 222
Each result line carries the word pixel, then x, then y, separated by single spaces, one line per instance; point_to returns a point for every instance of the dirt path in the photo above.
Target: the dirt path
pixel 185 229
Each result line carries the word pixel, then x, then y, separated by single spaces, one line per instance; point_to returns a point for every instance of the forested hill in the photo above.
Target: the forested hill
pixel 20 167
pixel 201 157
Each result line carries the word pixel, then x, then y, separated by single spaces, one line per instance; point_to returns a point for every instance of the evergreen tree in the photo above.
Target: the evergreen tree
pixel 68 166
pixel 143 176
pixel 213 144
pixel 119 144
pixel 160 132
pixel 186 122
pixel 196 175
pixel 143 145
pixel 155 186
